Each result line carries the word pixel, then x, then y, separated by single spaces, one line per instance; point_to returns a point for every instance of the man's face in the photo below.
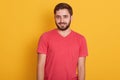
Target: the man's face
pixel 62 19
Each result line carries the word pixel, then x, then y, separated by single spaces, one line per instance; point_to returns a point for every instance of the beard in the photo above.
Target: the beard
pixel 63 28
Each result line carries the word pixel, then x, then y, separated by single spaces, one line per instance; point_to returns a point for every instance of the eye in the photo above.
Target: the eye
pixel 65 16
pixel 57 16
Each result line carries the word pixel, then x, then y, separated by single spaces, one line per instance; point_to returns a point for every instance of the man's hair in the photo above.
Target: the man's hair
pixel 63 6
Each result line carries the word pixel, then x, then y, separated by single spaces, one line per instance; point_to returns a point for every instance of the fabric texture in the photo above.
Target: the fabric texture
pixel 62 54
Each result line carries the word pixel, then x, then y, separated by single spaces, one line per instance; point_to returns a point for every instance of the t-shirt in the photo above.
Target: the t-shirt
pixel 62 54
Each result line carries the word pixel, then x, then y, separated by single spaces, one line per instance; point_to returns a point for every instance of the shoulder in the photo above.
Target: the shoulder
pixel 78 35
pixel 48 33
pixel 80 38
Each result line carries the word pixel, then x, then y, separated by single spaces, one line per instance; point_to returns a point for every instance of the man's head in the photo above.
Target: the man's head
pixel 63 14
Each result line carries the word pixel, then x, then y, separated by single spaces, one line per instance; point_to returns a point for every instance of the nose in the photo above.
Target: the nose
pixel 61 19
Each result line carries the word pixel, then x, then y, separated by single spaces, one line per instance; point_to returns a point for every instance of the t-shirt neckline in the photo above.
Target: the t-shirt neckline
pixel 63 36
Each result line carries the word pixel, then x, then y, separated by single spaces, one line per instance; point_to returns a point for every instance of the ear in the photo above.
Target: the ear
pixel 54 16
pixel 71 17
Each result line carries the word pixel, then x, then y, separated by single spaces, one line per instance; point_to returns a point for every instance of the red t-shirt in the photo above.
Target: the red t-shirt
pixel 62 54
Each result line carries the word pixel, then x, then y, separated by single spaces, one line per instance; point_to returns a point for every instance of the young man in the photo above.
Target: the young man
pixel 62 51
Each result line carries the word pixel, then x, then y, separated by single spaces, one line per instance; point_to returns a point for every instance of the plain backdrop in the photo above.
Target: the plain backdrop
pixel 23 21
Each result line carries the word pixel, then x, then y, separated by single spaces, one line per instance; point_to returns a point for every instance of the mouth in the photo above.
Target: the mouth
pixel 62 23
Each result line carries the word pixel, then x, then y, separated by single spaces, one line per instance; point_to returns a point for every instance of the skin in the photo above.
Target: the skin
pixel 62 20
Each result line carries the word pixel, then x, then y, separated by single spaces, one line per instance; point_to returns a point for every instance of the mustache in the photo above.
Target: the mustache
pixel 61 23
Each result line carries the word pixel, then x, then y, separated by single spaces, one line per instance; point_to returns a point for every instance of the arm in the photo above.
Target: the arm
pixel 81 68
pixel 41 64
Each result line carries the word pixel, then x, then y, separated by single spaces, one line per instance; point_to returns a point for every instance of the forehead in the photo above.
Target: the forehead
pixel 62 12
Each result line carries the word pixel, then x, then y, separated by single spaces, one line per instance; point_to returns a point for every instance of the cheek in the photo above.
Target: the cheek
pixel 57 20
pixel 68 20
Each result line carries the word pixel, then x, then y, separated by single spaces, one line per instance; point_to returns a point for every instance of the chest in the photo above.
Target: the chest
pixel 62 47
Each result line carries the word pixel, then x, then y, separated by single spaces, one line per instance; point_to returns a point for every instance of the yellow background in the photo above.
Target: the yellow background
pixel 23 21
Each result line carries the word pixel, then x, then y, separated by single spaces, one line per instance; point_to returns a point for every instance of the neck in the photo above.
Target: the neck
pixel 64 33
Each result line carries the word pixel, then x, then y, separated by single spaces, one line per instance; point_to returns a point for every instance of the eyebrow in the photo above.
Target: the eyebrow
pixel 60 15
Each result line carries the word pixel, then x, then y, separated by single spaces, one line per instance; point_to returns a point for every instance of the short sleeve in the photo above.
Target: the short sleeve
pixel 83 48
pixel 42 45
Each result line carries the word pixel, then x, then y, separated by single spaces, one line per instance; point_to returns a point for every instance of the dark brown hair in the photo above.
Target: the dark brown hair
pixel 63 6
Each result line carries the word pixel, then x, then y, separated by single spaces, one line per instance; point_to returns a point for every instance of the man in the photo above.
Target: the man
pixel 62 51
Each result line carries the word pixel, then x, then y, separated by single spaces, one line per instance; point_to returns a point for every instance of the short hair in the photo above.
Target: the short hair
pixel 63 6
